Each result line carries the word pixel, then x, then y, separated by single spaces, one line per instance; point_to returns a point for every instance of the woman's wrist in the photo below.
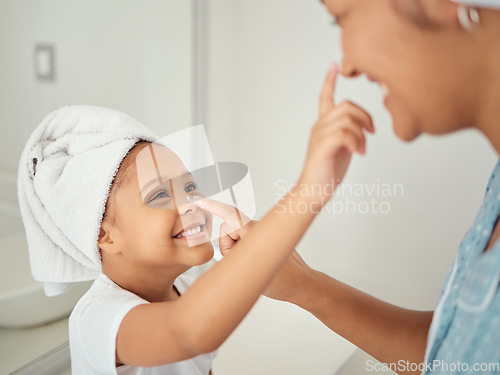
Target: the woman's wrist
pixel 308 295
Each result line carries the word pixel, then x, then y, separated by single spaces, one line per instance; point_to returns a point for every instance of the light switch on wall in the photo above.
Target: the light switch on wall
pixel 44 62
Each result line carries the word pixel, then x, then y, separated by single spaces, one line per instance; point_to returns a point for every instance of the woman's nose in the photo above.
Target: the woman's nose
pixel 348 70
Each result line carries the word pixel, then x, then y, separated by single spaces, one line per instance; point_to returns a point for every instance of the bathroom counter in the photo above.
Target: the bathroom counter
pixel 18 347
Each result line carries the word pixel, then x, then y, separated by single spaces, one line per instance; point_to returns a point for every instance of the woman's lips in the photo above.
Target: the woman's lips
pixel 383 88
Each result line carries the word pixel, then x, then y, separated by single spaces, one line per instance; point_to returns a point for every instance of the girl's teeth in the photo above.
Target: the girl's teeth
pixel 189 232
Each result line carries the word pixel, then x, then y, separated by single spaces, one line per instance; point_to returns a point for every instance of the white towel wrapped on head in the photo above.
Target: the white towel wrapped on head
pixel 65 174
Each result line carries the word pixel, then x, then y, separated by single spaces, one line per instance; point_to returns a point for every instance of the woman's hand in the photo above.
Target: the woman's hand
pixel 287 282
pixel 336 135
pixel 286 285
pixel 235 224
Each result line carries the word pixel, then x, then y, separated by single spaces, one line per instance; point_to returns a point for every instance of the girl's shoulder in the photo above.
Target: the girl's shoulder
pixel 105 295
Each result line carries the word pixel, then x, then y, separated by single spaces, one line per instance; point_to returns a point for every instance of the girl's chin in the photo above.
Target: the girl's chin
pixel 203 250
pixel 193 243
pixel 204 254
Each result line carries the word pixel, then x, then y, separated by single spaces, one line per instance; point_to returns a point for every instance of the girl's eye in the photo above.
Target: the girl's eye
pixel 192 186
pixel 160 194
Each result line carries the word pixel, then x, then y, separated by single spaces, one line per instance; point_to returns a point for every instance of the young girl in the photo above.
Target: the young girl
pixel 141 316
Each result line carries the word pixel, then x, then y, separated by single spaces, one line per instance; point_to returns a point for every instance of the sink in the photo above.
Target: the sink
pixel 23 302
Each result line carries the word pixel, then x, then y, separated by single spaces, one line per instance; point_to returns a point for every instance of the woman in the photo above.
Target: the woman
pixel 438 63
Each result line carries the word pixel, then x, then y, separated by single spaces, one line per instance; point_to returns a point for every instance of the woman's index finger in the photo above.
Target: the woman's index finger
pixel 226 212
pixel 326 102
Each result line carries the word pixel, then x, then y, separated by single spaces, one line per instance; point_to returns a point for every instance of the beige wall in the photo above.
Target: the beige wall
pixel 266 63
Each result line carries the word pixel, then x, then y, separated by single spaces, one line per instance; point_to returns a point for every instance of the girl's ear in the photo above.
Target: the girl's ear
pixel 105 241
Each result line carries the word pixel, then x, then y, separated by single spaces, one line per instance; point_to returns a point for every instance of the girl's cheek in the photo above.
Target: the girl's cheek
pixel 159 220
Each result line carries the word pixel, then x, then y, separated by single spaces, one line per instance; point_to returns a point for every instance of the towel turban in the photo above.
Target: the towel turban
pixel 65 174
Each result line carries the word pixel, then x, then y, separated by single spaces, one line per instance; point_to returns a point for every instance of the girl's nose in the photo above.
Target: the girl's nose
pixel 185 205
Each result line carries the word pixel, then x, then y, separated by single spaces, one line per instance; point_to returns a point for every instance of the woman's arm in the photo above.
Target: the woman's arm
pixel 386 332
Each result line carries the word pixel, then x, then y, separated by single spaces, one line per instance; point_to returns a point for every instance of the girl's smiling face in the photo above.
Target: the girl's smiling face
pixel 166 184
pixel 156 224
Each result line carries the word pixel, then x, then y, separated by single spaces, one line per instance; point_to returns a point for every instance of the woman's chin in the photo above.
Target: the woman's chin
pixel 406 131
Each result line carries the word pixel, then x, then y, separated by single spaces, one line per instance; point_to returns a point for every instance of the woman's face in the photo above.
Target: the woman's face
pixel 158 224
pixel 420 66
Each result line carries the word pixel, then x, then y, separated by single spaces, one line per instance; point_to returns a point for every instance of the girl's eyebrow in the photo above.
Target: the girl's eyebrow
pixel 155 180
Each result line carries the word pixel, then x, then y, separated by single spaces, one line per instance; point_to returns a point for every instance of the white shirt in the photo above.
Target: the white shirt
pixel 93 326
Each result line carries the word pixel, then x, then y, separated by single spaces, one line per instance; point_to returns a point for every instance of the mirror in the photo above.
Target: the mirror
pixel 139 57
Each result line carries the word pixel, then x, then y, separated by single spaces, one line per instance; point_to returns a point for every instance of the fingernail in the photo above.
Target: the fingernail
pixel 224 251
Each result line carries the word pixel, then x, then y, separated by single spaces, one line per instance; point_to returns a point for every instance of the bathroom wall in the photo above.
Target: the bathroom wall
pixel 8 205
pixel 266 64
pixel 134 56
